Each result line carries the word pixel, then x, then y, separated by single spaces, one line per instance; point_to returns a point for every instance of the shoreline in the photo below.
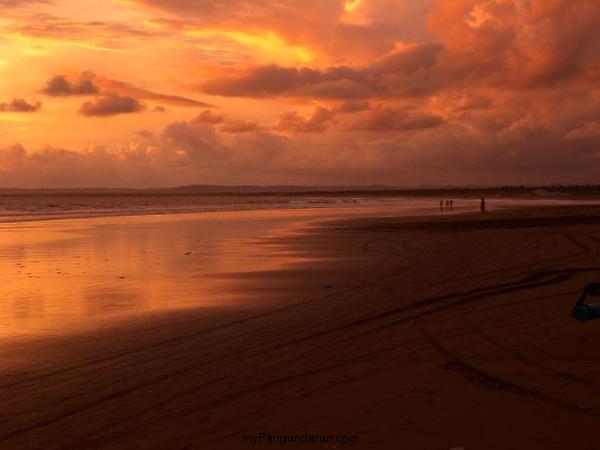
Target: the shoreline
pixel 48 217
pixel 64 215
pixel 433 332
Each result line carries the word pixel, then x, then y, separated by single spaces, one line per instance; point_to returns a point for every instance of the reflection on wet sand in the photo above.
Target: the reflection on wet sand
pixel 64 275
pixel 68 276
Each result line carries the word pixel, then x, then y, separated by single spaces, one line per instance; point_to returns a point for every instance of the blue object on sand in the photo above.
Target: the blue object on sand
pixel 584 312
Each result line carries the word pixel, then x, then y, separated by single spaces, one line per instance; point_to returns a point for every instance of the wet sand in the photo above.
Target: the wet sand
pixel 422 333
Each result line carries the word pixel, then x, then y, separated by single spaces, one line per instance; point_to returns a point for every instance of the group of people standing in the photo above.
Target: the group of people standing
pixel 449 204
pixel 446 204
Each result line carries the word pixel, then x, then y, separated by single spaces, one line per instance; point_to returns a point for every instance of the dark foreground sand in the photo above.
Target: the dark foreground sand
pixel 436 333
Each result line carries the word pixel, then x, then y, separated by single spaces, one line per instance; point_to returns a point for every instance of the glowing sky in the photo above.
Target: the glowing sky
pixel 403 92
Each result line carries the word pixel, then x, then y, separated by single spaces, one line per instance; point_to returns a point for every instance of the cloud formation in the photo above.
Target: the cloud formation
pixel 352 106
pixel 25 21
pixel 20 105
pixel 88 83
pixel 110 105
pixel 209 117
pixel 400 119
pixel 239 126
pixel 518 43
pixel 394 73
pixel 120 87
pixel 327 25
pixel 500 44
pixel 16 3
pixel 315 123
pixel 186 152
pixel 61 86
pixel 395 91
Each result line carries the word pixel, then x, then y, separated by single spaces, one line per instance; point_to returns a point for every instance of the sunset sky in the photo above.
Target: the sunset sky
pixel 404 92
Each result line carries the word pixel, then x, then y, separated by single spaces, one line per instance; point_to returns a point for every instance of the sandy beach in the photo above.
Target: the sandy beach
pixel 447 331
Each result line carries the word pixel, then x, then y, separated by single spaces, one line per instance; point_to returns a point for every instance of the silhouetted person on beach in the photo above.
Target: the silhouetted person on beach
pixel 482 205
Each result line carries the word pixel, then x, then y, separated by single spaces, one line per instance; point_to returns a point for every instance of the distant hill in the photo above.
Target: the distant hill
pixel 202 190
pixel 552 191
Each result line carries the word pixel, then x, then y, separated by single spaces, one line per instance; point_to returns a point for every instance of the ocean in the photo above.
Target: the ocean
pixel 27 207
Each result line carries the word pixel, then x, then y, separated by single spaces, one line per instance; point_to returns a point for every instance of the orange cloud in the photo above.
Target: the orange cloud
pixel 20 105
pixel 395 71
pixel 396 91
pixel 316 123
pixel 17 3
pixel 209 117
pixel 522 44
pixel 37 27
pixel 239 126
pixel 400 119
pixel 89 83
pixel 352 106
pixel 111 105
pixel 187 153
pixel 107 84
pixel 61 86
